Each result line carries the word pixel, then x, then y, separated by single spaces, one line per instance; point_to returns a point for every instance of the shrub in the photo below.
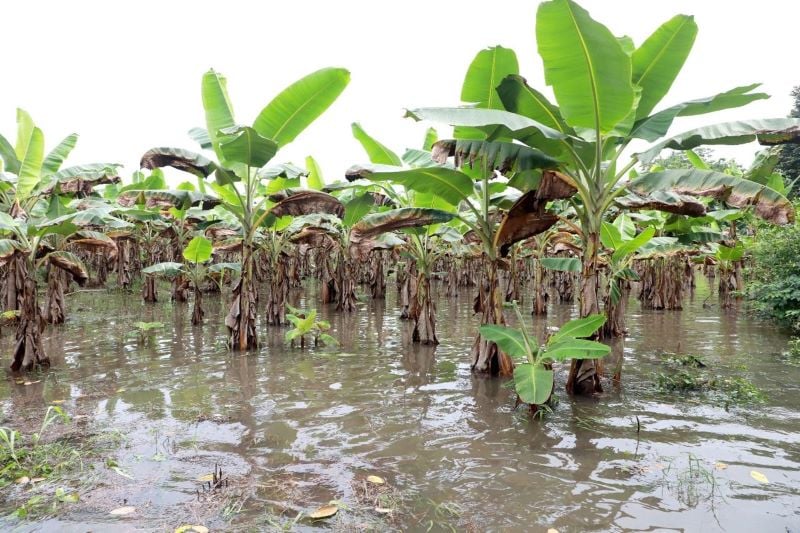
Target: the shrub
pixel 775 274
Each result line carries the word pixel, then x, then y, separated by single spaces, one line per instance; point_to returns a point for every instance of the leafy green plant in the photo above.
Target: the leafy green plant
pixel 306 324
pixel 534 378
pixel 774 277
pixel 145 330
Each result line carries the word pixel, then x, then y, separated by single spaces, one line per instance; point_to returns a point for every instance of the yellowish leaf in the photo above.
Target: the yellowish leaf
pixel 122 511
pixel 37 479
pixel 191 529
pixel 22 480
pixel 376 480
pixel 719 465
pixel 205 477
pixel 758 476
pixel 57 402
pixel 326 511
pixel 552 530
pixel 383 510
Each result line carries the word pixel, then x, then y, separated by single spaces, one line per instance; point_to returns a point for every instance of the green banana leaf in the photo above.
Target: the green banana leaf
pixel 218 110
pixel 586 66
pixel 297 106
pixel 659 60
pixel 450 185
pixel 377 152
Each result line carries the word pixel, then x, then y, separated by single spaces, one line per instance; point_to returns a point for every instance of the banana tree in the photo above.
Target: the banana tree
pixel 241 151
pixel 534 377
pixel 607 90
pixel 26 242
pixel 196 254
pixel 477 204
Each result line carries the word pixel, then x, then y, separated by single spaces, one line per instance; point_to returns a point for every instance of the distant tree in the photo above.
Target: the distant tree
pixel 679 159
pixel 789 155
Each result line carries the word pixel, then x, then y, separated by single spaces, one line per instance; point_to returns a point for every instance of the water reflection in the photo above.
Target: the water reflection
pixel 415 415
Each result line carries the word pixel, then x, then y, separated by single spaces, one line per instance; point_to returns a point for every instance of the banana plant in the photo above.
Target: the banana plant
pixel 306 323
pixel 196 255
pixel 25 245
pixel 422 247
pixel 607 92
pixel 242 152
pixel 534 376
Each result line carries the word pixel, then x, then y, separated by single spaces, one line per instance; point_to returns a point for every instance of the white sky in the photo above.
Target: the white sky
pixel 126 75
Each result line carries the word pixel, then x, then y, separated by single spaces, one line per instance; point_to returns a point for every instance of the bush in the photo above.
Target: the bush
pixel 775 274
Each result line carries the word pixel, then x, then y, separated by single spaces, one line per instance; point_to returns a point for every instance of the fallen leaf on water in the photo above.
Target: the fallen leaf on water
pixel 33 382
pixel 19 381
pixel 22 480
pixel 37 479
pixel 121 389
pixel 206 477
pixel 552 530
pixel 719 465
pixel 758 476
pixel 57 402
pixel 376 480
pixel 326 511
pixel 383 510
pixel 121 472
pixel 191 529
pixel 122 511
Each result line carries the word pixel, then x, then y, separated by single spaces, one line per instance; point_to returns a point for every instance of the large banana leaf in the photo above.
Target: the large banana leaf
pixel 562 264
pixel 167 269
pixel 218 109
pixel 586 66
pixel 55 158
pixel 766 131
pixel 8 249
pixel 308 202
pixel 179 158
pixel 297 106
pixel 201 137
pixel 30 153
pixel 485 73
pixel 767 203
pixel 91 172
pixel 377 152
pixel 518 97
pixel 363 234
pixel 314 179
pixel 198 250
pixel 504 157
pixel 657 62
pixel 483 76
pixel 656 126
pixel 470 116
pixel 242 144
pixel 69 262
pixel 533 383
pixel 9 156
pixel 93 240
pixel 177 198
pixel 667 201
pixel 510 340
pixel 527 216
pixel 450 185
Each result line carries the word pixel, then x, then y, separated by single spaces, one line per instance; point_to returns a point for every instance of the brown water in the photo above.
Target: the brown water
pixel 295 429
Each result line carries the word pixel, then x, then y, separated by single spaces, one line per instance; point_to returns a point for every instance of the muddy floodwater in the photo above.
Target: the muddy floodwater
pixel 294 430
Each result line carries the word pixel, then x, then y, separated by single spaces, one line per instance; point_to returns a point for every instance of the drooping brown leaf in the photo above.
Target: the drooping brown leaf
pixel 670 202
pixel 527 217
pixel 308 202
pixel 362 233
pixel 70 263
pixel 177 158
pixel 313 237
pixel 93 241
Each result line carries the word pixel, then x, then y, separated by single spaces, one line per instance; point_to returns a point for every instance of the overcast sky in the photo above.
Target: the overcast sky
pixel 126 75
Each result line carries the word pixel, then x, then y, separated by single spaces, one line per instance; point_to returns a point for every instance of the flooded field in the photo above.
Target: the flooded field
pixel 294 430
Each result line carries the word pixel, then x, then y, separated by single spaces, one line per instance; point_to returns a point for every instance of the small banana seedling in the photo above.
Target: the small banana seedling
pixel 306 324
pixel 534 377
